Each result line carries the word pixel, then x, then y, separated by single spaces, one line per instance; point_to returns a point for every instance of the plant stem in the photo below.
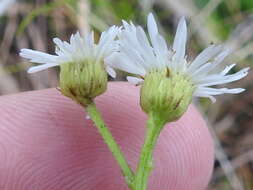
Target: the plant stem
pixel 111 143
pixel 145 165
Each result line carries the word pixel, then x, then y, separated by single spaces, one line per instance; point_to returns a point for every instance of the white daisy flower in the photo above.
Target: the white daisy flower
pixel 140 56
pixel 78 49
pixel 83 74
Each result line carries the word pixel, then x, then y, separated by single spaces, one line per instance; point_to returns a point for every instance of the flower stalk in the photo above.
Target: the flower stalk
pixel 111 143
pixel 145 165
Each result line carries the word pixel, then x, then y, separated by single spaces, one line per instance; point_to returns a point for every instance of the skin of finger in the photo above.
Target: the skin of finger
pixel 47 143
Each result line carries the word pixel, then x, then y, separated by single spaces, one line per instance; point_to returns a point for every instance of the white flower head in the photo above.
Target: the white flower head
pixel 140 56
pixel 78 49
pixel 83 74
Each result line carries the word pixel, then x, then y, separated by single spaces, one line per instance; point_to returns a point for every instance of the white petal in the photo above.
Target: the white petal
pixel 37 56
pixel 126 25
pixel 213 99
pixel 220 79
pixel 222 55
pixel 105 46
pixel 209 92
pixel 122 62
pixel 155 57
pixel 77 41
pixel 79 48
pixel 111 71
pixel 227 69
pixel 142 54
pixel 201 70
pixel 91 39
pixel 180 40
pixel 152 28
pixel 204 56
pixel 218 91
pixel 63 46
pixel 134 80
pixel 72 40
pixel 40 68
pixel 136 56
pixel 142 38
pixel 162 44
pixel 158 42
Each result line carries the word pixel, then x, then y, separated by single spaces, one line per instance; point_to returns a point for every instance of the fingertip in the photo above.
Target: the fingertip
pixel 58 146
pixel 185 154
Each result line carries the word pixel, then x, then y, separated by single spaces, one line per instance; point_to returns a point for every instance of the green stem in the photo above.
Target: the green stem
pixel 145 165
pixel 109 140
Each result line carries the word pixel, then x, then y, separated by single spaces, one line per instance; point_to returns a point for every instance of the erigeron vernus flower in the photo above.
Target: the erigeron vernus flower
pixel 168 79
pixel 83 73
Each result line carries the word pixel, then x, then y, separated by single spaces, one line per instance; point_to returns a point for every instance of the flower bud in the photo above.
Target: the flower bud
pixel 166 94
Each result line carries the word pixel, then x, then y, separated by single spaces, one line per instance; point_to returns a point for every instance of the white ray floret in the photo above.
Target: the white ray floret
pixel 78 49
pixel 138 55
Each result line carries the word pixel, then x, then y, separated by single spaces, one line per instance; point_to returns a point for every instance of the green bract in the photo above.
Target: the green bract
pixel 166 94
pixel 83 81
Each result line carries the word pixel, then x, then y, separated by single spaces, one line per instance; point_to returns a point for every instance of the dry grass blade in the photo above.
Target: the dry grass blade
pixel 83 16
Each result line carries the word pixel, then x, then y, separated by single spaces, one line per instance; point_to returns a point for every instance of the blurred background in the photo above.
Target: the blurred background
pixel 33 24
